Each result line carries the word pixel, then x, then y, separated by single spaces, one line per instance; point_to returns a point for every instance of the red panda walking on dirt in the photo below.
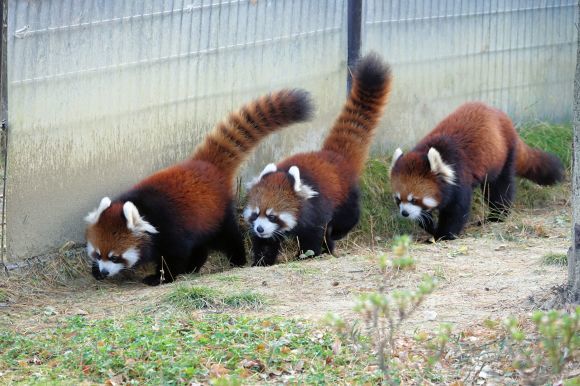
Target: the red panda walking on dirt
pixel 315 195
pixel 476 145
pixel 176 215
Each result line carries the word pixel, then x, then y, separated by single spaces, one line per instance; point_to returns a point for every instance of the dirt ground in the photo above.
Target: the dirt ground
pixel 491 272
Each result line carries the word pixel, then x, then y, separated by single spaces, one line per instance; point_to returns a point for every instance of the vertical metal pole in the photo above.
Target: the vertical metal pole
pixel 4 123
pixel 354 30
pixel 574 253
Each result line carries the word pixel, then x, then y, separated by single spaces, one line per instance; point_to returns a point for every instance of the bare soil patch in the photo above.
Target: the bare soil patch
pixel 491 272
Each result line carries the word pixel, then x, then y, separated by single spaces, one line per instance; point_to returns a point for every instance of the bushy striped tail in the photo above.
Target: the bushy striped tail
pixel 538 166
pixel 231 141
pixel 354 128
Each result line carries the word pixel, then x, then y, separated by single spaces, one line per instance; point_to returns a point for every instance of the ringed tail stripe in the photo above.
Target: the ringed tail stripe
pixel 229 143
pixel 354 128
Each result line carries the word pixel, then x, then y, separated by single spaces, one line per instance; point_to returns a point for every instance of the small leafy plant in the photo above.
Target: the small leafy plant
pixel 544 355
pixel 382 312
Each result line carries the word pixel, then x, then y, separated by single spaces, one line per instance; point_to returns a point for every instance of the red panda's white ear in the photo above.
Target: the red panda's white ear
pixel 270 168
pixel 439 167
pixel 135 222
pixel 93 217
pixel 303 190
pixel 398 153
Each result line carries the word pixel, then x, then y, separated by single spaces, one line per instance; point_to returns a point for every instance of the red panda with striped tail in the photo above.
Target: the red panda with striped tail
pixel 476 145
pixel 315 196
pixel 176 215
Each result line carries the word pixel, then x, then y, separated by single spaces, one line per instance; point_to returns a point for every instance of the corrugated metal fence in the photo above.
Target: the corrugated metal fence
pixel 101 93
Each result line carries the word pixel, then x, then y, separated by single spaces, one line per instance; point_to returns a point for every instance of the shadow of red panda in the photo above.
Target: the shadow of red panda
pixel 175 216
pixel 476 145
pixel 315 195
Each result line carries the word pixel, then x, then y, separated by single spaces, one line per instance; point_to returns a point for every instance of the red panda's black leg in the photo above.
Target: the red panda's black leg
pixel 454 216
pixel 427 222
pixel 265 251
pixel 500 192
pixel 230 240
pixel 197 260
pixel 311 240
pixel 172 266
pixel 346 216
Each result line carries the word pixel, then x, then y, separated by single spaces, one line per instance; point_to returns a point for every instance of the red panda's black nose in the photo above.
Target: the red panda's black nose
pixel 404 213
pixel 259 229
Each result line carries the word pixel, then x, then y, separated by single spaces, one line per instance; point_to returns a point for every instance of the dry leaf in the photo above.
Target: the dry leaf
pixel 118 379
pixel 254 364
pixel 218 370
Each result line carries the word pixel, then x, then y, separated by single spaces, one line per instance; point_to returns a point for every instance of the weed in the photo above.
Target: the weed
pixel 171 349
pixel 557 343
pixel 383 313
pixel 555 259
pixel 194 297
pixel 204 297
pixel 379 213
pixel 244 300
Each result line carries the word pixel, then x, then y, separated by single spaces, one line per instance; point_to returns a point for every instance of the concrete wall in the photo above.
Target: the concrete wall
pixel 101 93
pixel 518 55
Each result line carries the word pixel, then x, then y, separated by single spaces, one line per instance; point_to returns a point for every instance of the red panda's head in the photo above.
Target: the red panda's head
pixel 116 237
pixel 274 201
pixel 416 181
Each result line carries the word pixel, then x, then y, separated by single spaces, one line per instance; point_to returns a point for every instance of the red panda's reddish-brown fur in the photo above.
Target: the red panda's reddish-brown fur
pixel 174 216
pixel 324 205
pixel 479 145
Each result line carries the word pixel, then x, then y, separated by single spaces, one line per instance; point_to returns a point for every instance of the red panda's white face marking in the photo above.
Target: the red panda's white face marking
pixel 274 201
pixel 268 223
pixel 415 185
pixel 115 236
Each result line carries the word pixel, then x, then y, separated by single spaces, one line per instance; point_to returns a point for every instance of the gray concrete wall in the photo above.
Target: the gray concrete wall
pixel 102 93
pixel 518 55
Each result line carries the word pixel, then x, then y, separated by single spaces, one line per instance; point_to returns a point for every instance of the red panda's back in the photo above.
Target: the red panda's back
pixel 483 135
pixel 198 191
pixel 331 172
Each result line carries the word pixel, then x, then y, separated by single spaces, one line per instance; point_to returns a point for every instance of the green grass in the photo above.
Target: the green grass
pixel 556 139
pixel 555 259
pixel 169 350
pixel 204 297
pixel 379 214
pixel 244 300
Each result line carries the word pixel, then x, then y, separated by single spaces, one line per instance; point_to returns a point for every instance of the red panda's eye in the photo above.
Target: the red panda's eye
pixel 397 200
pixel 271 218
pixel 253 216
pixel 96 256
pixel 115 259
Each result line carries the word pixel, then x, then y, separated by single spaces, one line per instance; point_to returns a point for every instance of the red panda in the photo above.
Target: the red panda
pixel 476 145
pixel 315 196
pixel 177 214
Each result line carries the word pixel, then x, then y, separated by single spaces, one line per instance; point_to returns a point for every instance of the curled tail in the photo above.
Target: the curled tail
pixel 354 128
pixel 231 141
pixel 538 166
